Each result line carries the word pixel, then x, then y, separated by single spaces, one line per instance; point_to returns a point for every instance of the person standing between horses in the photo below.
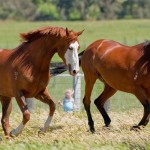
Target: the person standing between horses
pixel 68 101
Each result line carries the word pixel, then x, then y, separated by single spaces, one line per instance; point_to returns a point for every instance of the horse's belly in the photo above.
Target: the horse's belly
pixel 119 81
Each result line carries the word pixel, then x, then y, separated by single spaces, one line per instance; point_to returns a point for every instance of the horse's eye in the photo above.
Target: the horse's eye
pixel 71 48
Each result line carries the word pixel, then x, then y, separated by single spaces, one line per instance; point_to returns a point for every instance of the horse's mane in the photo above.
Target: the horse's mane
pixel 143 64
pixel 53 31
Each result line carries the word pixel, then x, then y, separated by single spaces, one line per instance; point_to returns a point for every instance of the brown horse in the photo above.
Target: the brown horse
pixel 24 71
pixel 119 67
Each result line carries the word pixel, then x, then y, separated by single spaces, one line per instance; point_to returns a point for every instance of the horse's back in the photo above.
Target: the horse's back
pixel 102 51
pixel 114 62
pixel 4 55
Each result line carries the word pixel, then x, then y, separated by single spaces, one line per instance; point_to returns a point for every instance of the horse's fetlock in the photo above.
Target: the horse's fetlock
pixel 107 122
pixel 26 114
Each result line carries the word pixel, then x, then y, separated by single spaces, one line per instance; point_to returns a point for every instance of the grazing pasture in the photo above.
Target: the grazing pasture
pixel 69 131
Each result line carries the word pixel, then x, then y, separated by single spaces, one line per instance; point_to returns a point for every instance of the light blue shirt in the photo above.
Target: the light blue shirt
pixel 68 104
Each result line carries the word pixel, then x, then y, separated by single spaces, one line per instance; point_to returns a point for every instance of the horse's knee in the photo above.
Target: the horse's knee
pixel 147 107
pixel 86 105
pixel 26 116
pixel 97 102
pixel 86 102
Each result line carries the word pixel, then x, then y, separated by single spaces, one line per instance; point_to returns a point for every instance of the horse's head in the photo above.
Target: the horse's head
pixel 69 51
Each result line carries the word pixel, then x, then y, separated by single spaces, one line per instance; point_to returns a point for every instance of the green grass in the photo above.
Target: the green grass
pixel 68 131
pixel 124 31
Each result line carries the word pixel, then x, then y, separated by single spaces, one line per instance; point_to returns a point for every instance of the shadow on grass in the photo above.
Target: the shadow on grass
pixel 50 128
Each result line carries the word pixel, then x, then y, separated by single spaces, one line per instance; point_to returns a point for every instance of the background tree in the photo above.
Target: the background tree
pixel 46 10
pixel 74 9
pixel 135 9
pixel 83 7
pixel 18 10
pixel 109 9
pixel 64 7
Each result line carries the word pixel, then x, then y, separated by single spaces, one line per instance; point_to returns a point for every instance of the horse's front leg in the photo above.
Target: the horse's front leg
pixel 6 110
pixel 46 98
pixel 26 115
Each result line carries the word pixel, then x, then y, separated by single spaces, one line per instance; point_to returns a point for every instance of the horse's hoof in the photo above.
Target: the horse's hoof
pixel 92 130
pixel 106 127
pixel 8 137
pixel 41 132
pixel 12 133
pixel 136 128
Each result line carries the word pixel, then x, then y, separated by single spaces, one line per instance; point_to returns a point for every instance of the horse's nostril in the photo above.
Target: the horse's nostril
pixel 74 72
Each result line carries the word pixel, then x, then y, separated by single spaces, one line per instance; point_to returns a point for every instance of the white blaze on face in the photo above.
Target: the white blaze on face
pixel 72 59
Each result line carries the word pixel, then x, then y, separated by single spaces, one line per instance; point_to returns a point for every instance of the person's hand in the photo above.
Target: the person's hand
pixel 60 103
pixel 75 107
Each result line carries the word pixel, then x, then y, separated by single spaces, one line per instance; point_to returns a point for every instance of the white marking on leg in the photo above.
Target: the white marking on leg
pixel 18 130
pixel 47 123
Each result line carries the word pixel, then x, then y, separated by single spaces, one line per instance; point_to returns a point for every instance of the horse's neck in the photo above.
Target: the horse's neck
pixel 36 54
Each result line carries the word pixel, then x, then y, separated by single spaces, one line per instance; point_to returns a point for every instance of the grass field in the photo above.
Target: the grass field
pixel 68 131
pixel 124 31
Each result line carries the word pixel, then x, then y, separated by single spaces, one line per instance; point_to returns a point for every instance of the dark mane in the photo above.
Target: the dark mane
pixel 146 47
pixel 143 64
pixel 53 31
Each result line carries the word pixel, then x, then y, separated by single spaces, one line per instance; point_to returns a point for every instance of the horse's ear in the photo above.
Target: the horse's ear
pixel 80 32
pixel 67 32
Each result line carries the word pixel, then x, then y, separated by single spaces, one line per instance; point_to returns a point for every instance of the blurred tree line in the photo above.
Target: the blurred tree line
pixel 73 9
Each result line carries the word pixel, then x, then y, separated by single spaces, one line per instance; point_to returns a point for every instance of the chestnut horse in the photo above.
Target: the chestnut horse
pixel 24 71
pixel 119 67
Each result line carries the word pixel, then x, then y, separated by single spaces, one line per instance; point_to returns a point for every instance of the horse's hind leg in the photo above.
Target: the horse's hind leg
pixel 87 101
pixel 142 96
pixel 6 110
pixel 46 98
pixel 100 101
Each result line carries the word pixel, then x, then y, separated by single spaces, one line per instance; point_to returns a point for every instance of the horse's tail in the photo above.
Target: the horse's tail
pixel 57 68
pixel 60 67
pixel 143 64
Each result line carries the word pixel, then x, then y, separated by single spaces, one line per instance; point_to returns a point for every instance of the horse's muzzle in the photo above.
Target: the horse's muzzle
pixel 72 72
